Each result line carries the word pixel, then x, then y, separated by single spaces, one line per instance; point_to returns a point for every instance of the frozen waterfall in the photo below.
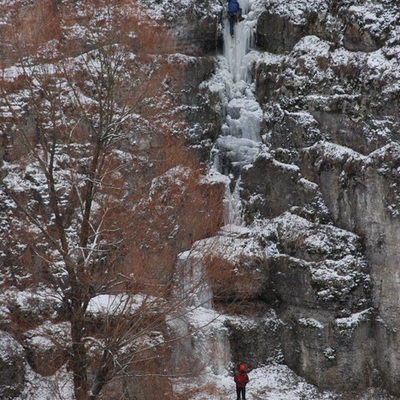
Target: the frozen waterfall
pixel 239 141
pixel 238 145
pixel 236 48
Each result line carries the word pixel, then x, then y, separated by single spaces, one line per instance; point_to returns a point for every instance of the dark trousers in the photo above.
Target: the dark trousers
pixel 241 391
pixel 233 19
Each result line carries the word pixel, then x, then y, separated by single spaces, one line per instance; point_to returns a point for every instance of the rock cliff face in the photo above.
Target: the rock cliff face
pixel 333 95
pixel 312 273
pixel 321 198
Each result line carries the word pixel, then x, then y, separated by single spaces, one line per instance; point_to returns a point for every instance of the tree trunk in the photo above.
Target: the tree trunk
pixel 90 185
pixel 78 355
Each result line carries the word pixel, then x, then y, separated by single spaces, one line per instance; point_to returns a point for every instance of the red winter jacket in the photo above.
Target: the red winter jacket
pixel 241 379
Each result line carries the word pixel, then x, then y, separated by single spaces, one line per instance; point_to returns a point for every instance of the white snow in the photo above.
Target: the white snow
pixel 119 304
pixel 353 320
pixel 311 322
pixel 272 382
pixel 57 386
pixel 295 9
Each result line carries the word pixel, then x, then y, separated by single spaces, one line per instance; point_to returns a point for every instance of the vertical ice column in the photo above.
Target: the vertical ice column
pixel 240 134
pixel 237 146
pixel 192 286
pixel 236 47
pixel 232 204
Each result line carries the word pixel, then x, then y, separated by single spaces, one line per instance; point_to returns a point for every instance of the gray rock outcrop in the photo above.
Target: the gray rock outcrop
pixel 331 128
pixel 325 187
pixel 12 366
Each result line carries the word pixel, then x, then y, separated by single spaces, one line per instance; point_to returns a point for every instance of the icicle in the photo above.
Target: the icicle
pixel 233 206
pixel 239 142
pixel 236 47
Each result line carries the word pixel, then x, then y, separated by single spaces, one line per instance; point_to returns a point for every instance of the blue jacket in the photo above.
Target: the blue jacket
pixel 233 6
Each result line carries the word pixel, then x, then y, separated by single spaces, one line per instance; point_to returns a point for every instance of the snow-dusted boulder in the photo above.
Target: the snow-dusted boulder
pixel 367 27
pixel 12 366
pixel 270 187
pixel 335 354
pixel 193 24
pixel 46 347
pixel 256 338
pixel 268 26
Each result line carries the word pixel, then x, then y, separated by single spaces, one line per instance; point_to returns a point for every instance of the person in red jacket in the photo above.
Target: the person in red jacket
pixel 241 380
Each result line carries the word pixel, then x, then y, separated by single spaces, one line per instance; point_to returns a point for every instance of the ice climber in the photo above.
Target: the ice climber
pixel 241 380
pixel 234 14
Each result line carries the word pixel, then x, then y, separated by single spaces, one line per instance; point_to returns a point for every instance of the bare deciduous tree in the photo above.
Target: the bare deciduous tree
pixel 98 195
